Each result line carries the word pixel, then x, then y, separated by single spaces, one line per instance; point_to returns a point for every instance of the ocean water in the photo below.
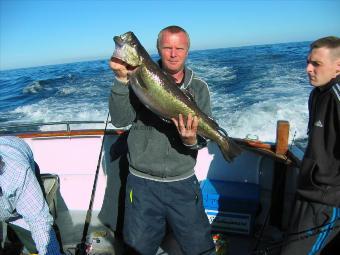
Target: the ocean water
pixel 251 89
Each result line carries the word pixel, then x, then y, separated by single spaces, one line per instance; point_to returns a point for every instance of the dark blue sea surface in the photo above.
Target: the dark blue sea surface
pixel 251 89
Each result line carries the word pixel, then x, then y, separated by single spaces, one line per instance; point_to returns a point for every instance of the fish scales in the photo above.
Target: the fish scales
pixel 159 92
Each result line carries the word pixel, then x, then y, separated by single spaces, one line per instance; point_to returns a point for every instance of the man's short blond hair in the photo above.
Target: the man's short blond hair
pixel 173 30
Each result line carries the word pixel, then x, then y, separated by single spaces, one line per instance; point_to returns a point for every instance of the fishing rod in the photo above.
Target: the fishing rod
pixel 267 215
pixel 302 235
pixel 81 248
pixel 310 232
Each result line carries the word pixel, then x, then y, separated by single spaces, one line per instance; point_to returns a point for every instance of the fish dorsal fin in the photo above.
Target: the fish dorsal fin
pixel 214 123
pixel 188 94
pixel 169 77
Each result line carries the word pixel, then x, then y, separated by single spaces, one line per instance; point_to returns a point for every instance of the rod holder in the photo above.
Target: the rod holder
pixel 282 135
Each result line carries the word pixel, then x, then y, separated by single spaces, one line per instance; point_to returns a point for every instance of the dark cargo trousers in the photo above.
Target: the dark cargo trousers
pixel 151 205
pixel 312 227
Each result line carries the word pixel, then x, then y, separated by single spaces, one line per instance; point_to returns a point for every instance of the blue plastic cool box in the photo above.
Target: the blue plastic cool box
pixel 230 206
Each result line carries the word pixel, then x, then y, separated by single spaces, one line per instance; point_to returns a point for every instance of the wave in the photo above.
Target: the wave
pixel 54 110
pixel 33 88
pixel 66 91
pixel 260 119
pixel 43 84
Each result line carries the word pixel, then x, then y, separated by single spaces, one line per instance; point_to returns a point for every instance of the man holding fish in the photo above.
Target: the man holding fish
pixel 162 189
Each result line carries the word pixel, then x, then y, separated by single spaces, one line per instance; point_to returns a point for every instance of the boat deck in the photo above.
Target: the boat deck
pixel 79 152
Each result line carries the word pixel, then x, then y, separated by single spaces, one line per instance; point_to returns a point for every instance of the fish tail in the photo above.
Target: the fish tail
pixel 228 147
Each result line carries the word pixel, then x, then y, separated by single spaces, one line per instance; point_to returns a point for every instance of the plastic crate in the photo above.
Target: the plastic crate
pixel 230 206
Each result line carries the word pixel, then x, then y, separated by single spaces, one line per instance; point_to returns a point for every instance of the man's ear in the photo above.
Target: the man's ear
pixel 337 66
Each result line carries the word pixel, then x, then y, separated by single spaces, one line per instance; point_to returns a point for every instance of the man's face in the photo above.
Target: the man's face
pixel 321 66
pixel 173 50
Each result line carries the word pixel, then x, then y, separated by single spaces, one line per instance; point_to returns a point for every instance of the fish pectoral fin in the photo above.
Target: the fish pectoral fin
pixel 137 81
pixel 216 126
pixel 169 77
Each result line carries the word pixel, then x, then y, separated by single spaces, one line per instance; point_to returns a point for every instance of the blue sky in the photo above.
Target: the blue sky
pixel 42 32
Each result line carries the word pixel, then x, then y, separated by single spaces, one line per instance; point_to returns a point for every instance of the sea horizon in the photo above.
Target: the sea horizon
pixel 153 53
pixel 251 88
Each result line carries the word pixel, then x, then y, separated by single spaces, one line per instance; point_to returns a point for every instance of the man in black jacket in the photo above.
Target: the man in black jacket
pixel 316 214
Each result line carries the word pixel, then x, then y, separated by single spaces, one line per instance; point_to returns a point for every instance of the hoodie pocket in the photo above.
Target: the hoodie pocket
pixel 307 171
pixel 313 191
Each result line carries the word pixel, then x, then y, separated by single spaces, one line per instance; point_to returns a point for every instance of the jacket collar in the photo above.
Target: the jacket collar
pixel 330 84
pixel 188 75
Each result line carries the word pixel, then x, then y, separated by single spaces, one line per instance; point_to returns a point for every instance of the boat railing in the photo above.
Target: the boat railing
pixel 38 124
pixel 66 127
pixel 38 129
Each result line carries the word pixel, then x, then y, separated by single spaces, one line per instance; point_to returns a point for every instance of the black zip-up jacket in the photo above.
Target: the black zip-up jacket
pixel 319 179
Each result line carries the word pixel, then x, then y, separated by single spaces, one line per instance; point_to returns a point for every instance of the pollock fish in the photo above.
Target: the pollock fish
pixel 159 92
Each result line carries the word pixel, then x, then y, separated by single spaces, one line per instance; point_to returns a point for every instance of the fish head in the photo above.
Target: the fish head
pixel 129 50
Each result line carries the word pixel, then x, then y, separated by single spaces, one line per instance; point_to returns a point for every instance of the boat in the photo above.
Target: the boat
pixel 83 166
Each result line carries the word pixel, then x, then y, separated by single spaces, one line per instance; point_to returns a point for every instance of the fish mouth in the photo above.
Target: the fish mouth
pixel 118 55
pixel 122 62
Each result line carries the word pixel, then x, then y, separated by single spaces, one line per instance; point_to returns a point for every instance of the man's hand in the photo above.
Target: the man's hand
pixel 120 69
pixel 188 130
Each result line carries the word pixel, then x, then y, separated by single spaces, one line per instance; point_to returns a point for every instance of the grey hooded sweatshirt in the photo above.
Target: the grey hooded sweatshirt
pixel 155 150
